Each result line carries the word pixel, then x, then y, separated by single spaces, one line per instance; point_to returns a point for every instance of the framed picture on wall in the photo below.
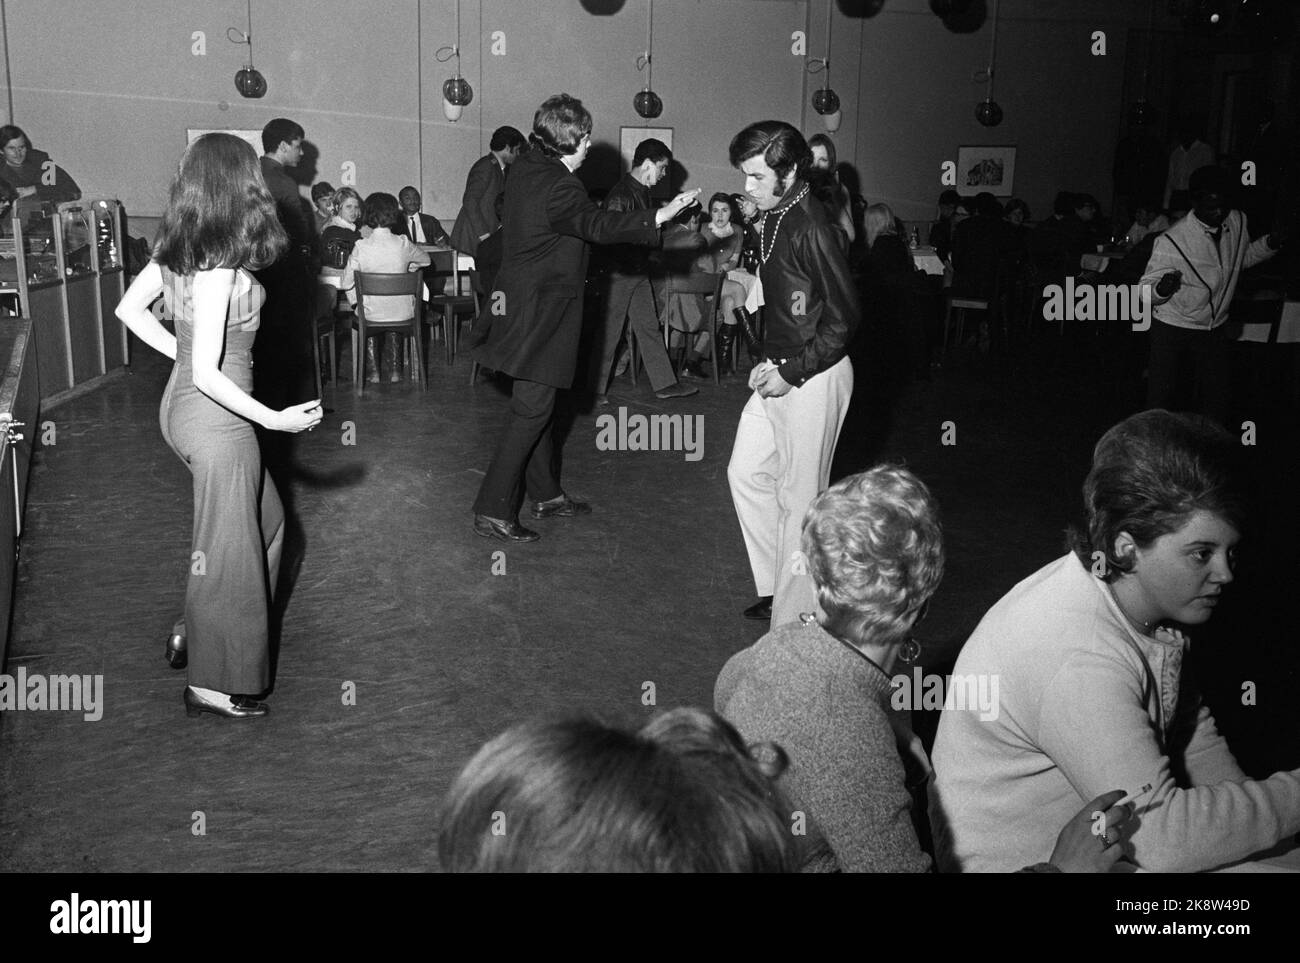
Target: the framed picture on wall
pixel 991 169
pixel 254 137
pixel 629 137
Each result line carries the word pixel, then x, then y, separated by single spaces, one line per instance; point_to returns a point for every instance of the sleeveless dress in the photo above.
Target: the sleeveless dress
pixel 238 517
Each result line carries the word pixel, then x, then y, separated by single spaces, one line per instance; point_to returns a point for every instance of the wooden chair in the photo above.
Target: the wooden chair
pixel 448 307
pixel 709 285
pixel 323 327
pixel 373 285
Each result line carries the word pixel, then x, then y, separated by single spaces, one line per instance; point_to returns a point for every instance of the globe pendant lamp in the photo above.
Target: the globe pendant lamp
pixel 987 112
pixel 456 91
pixel 825 100
pixel 249 81
pixel 647 103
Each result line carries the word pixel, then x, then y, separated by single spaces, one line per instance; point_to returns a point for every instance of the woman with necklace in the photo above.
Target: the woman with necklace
pixel 820 688
pixel 1089 653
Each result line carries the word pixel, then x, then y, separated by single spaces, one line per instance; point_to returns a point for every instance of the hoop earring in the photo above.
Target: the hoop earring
pixel 910 650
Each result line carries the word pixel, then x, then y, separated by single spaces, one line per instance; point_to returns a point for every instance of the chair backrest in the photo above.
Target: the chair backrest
pixel 387 285
pixel 443 264
pixel 696 283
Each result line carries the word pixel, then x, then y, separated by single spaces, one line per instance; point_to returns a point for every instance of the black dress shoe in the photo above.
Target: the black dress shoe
pixel 505 530
pixel 177 657
pixel 562 506
pixel 229 707
pixel 760 611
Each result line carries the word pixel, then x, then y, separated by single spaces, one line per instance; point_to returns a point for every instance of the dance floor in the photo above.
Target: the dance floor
pixel 445 643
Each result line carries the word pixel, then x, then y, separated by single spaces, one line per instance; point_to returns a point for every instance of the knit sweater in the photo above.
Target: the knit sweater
pixel 1088 705
pixel 828 707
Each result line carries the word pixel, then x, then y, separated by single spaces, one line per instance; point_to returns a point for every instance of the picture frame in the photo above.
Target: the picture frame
pixel 630 137
pixel 990 168
pixel 254 137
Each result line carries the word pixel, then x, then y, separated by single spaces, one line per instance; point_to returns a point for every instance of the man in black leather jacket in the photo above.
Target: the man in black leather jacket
pixel 787 433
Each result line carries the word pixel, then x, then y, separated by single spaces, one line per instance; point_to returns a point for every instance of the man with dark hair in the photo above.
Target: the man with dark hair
pixel 534 313
pixel 419 227
pixel 941 230
pixel 627 286
pixel 487 179
pixel 283 346
pixel 788 429
pixel 322 198
pixel 1193 270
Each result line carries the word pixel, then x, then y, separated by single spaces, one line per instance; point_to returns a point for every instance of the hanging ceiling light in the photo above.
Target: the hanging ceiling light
pixel 987 112
pixel 456 91
pixel 249 81
pixel 1141 113
pixel 647 103
pixel 825 101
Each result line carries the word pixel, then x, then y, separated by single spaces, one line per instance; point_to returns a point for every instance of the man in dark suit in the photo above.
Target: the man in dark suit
pixel 487 179
pixel 283 347
pixel 535 310
pixel 420 228
pixel 627 286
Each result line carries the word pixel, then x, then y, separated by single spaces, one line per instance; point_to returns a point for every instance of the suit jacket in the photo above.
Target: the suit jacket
pixel 290 205
pixel 432 227
pixel 535 308
pixel 478 208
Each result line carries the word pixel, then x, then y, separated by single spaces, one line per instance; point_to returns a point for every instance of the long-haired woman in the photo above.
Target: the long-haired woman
pixel 220 224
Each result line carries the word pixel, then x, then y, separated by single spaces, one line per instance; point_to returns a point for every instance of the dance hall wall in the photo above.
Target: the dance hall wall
pixel 109 87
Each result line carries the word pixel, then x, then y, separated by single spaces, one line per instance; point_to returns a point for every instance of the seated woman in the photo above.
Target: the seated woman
pixel 340 233
pixel 1090 652
pixel 820 688
pixel 29 171
pixel 383 253
pixel 683 794
pixel 888 276
pixel 724 242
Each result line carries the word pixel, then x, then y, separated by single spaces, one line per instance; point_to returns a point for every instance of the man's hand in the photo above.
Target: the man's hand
pixel 1170 283
pixel 770 384
pixel 674 207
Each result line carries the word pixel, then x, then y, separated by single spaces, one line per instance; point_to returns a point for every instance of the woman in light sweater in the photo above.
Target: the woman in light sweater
pixel 1089 651
pixel 820 689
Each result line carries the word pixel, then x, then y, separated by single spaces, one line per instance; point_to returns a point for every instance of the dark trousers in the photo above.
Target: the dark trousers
pixel 282 375
pixel 525 456
pixel 628 298
pixel 1190 370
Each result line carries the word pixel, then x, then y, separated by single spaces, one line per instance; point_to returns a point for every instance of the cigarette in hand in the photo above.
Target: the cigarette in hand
pixel 1133 795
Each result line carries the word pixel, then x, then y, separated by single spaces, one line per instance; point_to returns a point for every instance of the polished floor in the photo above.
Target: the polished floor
pixel 395 598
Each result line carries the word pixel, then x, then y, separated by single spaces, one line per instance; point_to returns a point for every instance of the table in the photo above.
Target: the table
pixel 1098 262
pixel 1286 330
pixel 927 260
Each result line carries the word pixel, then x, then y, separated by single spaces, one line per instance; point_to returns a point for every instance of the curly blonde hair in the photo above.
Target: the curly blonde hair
pixel 875 552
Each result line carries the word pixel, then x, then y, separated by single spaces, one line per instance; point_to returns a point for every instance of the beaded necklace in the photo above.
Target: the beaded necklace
pixel 762 220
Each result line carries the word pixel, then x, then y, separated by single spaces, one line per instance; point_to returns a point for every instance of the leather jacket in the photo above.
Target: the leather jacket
pixel 810 304
pixel 628 194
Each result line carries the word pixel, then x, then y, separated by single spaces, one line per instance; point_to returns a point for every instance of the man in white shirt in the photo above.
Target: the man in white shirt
pixel 1193 271
pixel 1190 154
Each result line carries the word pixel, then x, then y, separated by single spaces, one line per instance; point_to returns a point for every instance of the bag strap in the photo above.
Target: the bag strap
pixel 1209 291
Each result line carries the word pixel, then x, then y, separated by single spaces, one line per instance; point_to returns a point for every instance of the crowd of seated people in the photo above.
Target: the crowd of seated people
pixel 385 250
pixel 1095 753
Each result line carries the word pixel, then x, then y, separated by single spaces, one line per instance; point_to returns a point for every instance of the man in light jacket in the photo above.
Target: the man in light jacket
pixel 1193 272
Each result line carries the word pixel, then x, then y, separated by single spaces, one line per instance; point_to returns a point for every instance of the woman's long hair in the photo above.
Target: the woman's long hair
pixel 879 220
pixel 220 213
